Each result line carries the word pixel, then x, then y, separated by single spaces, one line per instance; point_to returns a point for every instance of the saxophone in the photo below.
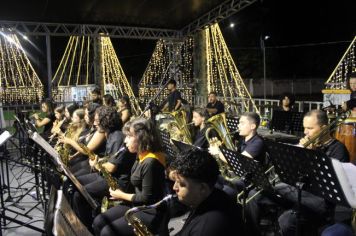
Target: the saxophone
pixel 64 149
pixel 140 228
pixel 105 203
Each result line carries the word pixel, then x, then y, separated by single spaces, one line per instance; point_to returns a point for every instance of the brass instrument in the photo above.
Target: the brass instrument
pixel 105 203
pixel 139 228
pixel 178 128
pixel 218 123
pixel 242 193
pixel 57 126
pixel 317 139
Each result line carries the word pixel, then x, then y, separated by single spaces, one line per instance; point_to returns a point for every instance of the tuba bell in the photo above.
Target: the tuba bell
pixel 178 128
pixel 218 123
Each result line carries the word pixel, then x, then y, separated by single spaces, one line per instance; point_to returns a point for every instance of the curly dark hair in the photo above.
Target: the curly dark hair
pixel 109 120
pixel 108 100
pixel 291 99
pixel 148 139
pixel 91 110
pixel 197 165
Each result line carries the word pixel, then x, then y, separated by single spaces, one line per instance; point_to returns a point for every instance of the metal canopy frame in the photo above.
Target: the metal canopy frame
pixel 217 14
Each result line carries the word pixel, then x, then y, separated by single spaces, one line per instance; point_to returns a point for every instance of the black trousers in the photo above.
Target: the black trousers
pixel 97 187
pixel 113 222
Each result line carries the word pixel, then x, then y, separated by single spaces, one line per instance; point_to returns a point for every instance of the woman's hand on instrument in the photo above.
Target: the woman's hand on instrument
pixel 92 163
pixel 64 140
pixel 36 116
pixel 115 194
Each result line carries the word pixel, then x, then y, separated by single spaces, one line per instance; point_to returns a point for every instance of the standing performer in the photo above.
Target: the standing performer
pixel 214 106
pixel 124 109
pixel 147 178
pixel 47 122
pixel 351 104
pixel 174 99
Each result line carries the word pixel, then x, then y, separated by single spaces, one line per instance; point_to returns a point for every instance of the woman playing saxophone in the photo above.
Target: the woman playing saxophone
pixel 147 178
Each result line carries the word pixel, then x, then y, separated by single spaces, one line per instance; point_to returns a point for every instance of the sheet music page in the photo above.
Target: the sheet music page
pixel 350 172
pixel 4 137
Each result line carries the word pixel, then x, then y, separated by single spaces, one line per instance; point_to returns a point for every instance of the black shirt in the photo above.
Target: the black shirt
pixel 124 162
pixel 114 142
pixel 215 216
pixel 255 147
pixel 337 150
pixel 172 99
pixel 47 127
pixel 200 140
pixel 219 106
pixel 147 178
pixel 352 102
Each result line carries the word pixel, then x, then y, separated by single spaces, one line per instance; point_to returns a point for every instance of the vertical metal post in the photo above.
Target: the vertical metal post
pixel 263 48
pixel 49 66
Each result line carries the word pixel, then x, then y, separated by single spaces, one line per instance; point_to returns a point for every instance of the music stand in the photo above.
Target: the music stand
pixel 296 123
pixel 59 164
pixel 250 171
pixel 307 170
pixel 167 145
pixel 232 123
pixel 281 121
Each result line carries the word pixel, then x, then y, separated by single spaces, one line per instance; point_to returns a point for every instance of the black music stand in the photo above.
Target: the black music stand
pixel 250 170
pixel 307 170
pixel 232 125
pixel 297 122
pixel 281 121
pixel 63 168
pixel 168 147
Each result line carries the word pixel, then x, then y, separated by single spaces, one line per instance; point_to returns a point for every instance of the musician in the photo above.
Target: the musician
pixel 212 211
pixel 47 121
pixel 286 102
pixel 250 143
pixel 315 209
pixel 147 178
pixel 95 96
pixel 95 140
pixel 60 118
pixel 174 99
pixel 97 186
pixel 200 116
pixel 351 104
pixel 214 106
pixel 108 101
pixel 124 109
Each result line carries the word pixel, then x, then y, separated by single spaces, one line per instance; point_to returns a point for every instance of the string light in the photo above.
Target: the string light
pixel 19 82
pixel 347 64
pixel 76 70
pixel 176 57
pixel 222 74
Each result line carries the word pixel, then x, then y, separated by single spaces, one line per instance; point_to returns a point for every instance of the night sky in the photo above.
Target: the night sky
pixel 307 39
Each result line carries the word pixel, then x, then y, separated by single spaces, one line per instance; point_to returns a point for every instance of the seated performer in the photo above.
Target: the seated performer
pixel 212 211
pixel 174 99
pixel 94 183
pixel 94 140
pixel 316 209
pixel 60 119
pixel 47 121
pixel 214 106
pixel 200 115
pixel 108 101
pixel 147 178
pixel 351 104
pixel 124 109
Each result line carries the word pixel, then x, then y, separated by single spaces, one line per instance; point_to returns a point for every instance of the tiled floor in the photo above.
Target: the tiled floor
pixel 20 199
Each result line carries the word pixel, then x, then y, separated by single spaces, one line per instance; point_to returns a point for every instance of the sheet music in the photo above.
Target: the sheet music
pixel 4 137
pixel 350 171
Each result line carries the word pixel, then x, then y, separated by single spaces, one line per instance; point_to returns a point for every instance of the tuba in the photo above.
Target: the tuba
pixel 178 128
pixel 140 228
pixel 218 123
